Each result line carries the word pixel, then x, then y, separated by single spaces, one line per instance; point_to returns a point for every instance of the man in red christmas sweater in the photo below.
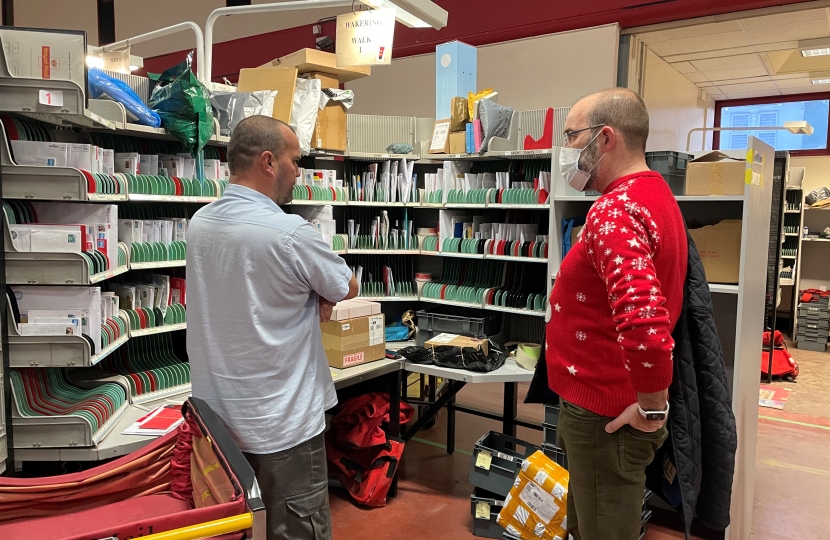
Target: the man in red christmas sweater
pixel 613 307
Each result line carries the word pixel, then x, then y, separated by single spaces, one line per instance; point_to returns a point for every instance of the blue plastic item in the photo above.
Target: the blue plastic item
pixel 397 332
pixel 101 84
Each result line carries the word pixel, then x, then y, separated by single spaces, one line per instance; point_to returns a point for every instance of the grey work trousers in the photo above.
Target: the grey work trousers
pixel 294 486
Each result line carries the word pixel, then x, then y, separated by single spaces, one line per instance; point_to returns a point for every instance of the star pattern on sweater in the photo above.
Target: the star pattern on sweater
pixel 620 237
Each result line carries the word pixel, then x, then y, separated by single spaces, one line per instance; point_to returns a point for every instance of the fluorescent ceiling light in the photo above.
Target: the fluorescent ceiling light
pixel 814 47
pixel 799 127
pixel 414 13
pixel 820 77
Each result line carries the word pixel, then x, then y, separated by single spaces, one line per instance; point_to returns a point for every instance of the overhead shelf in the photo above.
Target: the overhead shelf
pixel 724 289
pixel 390 298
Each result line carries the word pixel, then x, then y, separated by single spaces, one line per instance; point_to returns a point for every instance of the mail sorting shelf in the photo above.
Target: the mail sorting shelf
pixel 74 437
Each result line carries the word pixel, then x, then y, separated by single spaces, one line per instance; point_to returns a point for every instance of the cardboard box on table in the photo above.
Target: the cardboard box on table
pixel 719 246
pixel 716 173
pixel 355 334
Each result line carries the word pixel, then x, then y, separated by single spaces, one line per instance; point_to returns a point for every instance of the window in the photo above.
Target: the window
pixel 773 112
pixel 737 140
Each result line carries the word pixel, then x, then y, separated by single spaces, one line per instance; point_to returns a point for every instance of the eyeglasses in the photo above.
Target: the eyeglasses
pixel 571 135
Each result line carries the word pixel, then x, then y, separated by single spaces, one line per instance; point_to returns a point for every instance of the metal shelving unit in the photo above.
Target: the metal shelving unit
pixel 63 438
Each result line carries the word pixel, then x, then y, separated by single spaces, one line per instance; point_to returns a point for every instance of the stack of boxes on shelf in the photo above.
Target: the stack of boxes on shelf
pixel 813 322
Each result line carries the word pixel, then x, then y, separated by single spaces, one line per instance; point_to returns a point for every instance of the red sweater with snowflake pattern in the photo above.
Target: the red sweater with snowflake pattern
pixel 616 298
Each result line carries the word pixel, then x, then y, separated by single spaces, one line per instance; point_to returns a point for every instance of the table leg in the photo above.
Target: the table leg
pixel 511 409
pixel 394 427
pixel 451 426
pixel 433 409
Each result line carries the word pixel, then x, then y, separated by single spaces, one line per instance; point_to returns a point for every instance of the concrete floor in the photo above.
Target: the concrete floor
pixel 792 494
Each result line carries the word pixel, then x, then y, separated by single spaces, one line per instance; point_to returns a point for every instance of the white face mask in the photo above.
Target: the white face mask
pixel 569 166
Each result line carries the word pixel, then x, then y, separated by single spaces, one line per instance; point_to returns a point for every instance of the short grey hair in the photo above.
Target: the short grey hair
pixel 253 136
pixel 624 111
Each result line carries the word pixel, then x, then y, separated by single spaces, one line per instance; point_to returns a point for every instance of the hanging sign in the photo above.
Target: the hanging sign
pixel 117 60
pixel 365 38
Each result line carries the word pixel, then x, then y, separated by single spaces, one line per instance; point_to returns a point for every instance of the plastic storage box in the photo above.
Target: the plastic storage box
pixel 672 165
pixel 432 324
pixel 497 469
pixel 486 528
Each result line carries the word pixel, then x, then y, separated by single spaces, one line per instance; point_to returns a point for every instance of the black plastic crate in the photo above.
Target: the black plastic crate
pixel 506 457
pixel 672 166
pixel 432 324
pixel 549 434
pixel 486 528
pixel 552 415
pixel 556 454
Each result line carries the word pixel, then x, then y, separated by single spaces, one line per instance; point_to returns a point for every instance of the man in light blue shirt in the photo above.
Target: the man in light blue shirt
pixel 260 282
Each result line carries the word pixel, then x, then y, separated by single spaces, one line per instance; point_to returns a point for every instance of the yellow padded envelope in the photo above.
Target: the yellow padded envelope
pixel 536 506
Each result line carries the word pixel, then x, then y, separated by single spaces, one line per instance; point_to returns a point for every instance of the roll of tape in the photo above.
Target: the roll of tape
pixel 527 355
pixel 423 276
pixel 426 231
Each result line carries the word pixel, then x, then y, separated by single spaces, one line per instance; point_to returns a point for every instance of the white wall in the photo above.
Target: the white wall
pixel 131 19
pixel 673 109
pixel 817 172
pixel 74 15
pixel 546 71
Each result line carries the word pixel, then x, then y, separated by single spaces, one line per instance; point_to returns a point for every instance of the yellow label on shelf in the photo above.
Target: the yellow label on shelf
pixel 482 510
pixel 483 460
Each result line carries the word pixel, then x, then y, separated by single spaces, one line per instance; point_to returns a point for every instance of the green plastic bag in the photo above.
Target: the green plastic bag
pixel 183 103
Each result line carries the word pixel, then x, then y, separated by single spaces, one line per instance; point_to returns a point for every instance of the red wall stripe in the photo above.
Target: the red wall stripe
pixel 477 22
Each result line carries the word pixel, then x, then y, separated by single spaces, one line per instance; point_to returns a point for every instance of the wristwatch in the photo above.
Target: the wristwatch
pixel 655 416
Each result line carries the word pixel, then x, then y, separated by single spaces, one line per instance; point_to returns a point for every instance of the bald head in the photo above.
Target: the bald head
pixel 622 110
pixel 263 154
pixel 253 136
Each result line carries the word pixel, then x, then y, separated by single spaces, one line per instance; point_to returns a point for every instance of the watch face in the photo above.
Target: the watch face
pixel 655 416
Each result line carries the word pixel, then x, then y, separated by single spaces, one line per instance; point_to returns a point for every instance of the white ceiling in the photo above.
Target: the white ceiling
pixel 734 59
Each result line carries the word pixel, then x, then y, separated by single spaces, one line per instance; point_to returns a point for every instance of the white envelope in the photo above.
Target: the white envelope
pixel 86 299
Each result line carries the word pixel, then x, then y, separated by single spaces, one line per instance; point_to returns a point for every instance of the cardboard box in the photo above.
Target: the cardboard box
pixel 458 142
pixel 454 340
pixel 353 309
pixel 440 143
pixel 716 174
pixel 331 128
pixel 327 80
pixel 460 115
pixel 311 60
pixel 281 79
pixel 720 250
pixel 352 342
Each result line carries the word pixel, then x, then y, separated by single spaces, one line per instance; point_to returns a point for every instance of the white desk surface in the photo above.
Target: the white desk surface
pixel 349 376
pixel 509 372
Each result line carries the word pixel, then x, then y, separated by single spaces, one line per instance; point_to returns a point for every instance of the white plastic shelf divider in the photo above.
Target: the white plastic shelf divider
pixel 516 311
pixel 390 298
pixel 158 264
pixel 451 303
pixel 158 330
pixel 171 198
pixel 723 288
